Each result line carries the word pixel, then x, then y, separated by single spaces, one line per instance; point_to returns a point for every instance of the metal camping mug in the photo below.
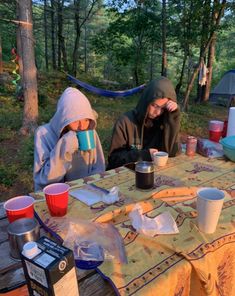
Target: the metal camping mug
pixel 20 232
pixel 144 175
pixel 191 146
pixel 86 140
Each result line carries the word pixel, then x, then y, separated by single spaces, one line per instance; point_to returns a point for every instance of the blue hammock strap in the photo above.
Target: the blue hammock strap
pixel 104 92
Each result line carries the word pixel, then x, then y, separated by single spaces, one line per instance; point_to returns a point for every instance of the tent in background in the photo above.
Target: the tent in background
pixel 224 92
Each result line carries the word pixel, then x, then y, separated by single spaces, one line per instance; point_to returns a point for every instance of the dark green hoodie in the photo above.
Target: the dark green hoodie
pixel 131 137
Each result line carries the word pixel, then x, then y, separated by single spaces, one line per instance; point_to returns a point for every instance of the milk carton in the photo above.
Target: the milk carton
pixel 49 269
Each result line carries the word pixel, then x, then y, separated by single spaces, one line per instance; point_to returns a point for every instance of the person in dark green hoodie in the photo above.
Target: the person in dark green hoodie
pixel 152 126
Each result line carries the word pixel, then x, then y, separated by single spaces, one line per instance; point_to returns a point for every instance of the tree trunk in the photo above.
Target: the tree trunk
pixel 179 84
pixel 151 61
pixel 204 36
pixel 137 63
pixel 211 56
pixel 30 114
pixel 79 22
pixel 53 34
pixel 46 35
pixel 136 78
pixel 85 49
pixel 59 32
pixel 1 64
pixel 196 70
pixel 164 53
pixel 61 43
pixel 64 54
pixel 77 38
pixel 19 50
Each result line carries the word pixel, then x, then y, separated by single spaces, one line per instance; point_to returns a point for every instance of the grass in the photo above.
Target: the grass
pixel 16 152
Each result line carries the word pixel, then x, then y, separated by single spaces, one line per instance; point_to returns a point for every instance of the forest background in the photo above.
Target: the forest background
pixel 114 45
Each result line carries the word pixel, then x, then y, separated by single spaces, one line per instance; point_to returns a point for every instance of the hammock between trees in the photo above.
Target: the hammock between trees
pixel 104 92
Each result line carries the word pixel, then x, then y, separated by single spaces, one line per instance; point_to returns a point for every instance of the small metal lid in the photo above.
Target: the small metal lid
pixel 22 226
pixel 144 167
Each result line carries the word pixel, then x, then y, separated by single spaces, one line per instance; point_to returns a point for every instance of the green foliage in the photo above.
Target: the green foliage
pixel 203 109
pixel 8 174
pixel 10 113
pixel 25 154
pixel 7 134
pixel 128 39
pixel 7 29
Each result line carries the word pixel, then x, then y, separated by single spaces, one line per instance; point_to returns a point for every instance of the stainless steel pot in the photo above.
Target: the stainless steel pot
pixel 20 232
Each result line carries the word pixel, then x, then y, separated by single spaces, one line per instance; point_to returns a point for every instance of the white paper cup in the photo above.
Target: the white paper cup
pixel 209 205
pixel 160 158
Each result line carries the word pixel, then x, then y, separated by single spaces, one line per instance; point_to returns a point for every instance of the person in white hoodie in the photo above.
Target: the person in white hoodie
pixel 57 157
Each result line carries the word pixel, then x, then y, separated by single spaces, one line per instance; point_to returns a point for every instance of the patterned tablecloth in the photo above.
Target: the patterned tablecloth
pixel 188 263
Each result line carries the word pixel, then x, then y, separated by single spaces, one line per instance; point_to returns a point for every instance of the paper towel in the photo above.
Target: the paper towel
pixel 231 122
pixel 91 195
pixel 162 224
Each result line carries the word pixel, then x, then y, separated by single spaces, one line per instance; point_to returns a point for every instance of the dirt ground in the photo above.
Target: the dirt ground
pixel 12 146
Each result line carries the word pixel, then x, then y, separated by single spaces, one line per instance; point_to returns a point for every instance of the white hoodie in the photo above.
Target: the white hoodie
pixel 58 159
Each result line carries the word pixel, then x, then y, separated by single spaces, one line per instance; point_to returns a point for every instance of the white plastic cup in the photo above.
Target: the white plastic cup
pixel 209 206
pixel 160 158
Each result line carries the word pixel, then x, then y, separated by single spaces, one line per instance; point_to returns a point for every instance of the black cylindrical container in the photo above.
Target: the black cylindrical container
pixel 144 175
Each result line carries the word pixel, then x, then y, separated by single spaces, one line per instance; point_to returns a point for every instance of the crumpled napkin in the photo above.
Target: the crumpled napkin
pixel 162 224
pixel 111 197
pixel 91 195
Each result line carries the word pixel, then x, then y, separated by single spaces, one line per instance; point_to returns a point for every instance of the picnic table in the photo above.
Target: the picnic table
pixel 187 263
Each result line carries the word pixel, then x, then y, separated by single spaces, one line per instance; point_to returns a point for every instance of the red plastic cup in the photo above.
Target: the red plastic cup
pixel 224 132
pixel 215 130
pixel 57 196
pixel 19 207
pixel 215 136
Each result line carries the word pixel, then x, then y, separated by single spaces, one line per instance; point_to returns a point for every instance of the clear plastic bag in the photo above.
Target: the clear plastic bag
pixel 209 148
pixel 88 251
pixel 93 241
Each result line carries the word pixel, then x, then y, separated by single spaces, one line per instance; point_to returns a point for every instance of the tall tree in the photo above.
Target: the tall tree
pixel 1 64
pixel 130 37
pixel 211 55
pixel 221 8
pixel 206 24
pixel 61 42
pixel 30 114
pixel 81 15
pixel 46 34
pixel 53 41
pixel 19 50
pixel 164 51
